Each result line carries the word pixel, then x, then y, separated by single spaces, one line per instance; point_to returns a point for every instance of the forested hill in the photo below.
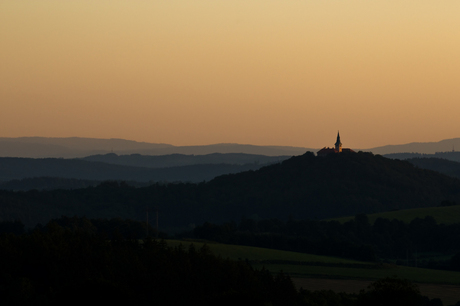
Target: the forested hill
pixel 338 184
pixel 441 165
pixel 446 162
pixel 304 187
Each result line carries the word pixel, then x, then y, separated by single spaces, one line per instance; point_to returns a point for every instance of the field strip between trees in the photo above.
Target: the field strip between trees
pixel 314 272
pixel 449 294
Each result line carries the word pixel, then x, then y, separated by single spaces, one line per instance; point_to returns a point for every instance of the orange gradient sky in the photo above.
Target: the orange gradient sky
pixel 242 71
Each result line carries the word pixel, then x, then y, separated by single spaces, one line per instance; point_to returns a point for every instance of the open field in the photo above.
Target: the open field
pixel 316 272
pixel 255 254
pixel 307 265
pixel 417 275
pixel 449 294
pixel 442 215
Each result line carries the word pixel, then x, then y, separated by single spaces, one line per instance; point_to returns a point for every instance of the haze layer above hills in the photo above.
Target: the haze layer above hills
pixel 41 147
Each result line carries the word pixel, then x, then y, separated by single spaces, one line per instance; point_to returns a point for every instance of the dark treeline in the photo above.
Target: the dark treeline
pixel 306 186
pixel 55 265
pixel 47 183
pixel 356 239
pixel 108 228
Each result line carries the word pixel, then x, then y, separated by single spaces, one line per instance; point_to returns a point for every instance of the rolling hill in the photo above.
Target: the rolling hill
pixel 338 184
pixel 305 187
pixel 445 145
pixel 175 160
pixel 21 168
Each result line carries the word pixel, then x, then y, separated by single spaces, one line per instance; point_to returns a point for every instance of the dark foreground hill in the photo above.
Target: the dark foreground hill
pixel 304 187
pixel 56 265
pixel 74 265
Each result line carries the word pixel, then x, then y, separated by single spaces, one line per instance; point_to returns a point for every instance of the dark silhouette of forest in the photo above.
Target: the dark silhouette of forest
pixel 57 265
pixel 76 262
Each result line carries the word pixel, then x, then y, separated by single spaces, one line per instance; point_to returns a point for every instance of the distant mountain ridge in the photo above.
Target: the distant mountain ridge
pixel 77 147
pixel 74 147
pixel 446 145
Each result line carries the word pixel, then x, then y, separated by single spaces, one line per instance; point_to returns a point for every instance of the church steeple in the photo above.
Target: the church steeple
pixel 338 144
pixel 336 149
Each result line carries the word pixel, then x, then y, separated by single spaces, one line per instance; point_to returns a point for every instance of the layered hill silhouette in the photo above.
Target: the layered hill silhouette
pixel 302 187
pixel 442 146
pixel 445 166
pixel 74 147
pixel 175 160
pixel 22 168
pixel 452 155
pixel 444 162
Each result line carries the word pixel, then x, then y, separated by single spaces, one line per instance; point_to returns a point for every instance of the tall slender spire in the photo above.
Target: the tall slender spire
pixel 338 144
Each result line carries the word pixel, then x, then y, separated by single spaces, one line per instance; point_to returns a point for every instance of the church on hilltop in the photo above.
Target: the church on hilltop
pixel 337 149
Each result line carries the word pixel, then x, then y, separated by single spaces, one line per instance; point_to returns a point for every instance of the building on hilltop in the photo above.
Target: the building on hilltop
pixel 337 149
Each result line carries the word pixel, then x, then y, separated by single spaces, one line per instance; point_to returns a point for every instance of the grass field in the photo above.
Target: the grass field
pixel 449 294
pixel 307 265
pixel 316 272
pixel 442 215
pixel 236 252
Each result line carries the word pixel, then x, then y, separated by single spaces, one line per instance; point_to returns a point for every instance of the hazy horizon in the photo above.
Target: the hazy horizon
pixel 329 144
pixel 248 72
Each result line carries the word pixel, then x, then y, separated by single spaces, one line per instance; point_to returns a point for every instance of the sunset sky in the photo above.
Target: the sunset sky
pixel 195 72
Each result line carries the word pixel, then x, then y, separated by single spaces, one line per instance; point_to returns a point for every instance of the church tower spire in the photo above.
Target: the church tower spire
pixel 336 149
pixel 338 144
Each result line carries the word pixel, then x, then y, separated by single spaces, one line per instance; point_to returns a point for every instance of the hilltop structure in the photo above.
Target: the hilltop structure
pixel 337 149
